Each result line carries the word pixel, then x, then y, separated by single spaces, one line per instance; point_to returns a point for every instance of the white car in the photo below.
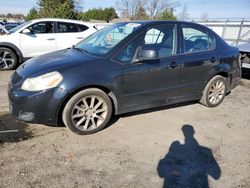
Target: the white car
pixel 40 36
pixel 245 55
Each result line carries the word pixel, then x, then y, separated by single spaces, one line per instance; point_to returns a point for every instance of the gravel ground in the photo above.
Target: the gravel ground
pixel 141 149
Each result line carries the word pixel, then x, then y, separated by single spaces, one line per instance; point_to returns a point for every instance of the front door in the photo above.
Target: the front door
pixel 148 83
pixel 40 40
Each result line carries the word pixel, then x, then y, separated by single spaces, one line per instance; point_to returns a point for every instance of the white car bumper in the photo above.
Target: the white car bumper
pixel 246 65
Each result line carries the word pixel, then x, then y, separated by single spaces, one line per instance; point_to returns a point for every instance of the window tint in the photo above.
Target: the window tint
pixel 162 39
pixel 63 27
pixel 82 28
pixel 107 38
pixel 196 40
pixel 153 36
pixel 41 27
pixel 127 54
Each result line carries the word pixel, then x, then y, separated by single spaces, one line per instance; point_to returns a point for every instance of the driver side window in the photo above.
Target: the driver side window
pixel 127 54
pixel 41 28
pixel 162 39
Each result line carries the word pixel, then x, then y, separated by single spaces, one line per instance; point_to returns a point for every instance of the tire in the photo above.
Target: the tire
pixel 87 112
pixel 214 92
pixel 8 59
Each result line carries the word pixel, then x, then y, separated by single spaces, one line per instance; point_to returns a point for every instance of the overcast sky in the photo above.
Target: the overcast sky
pixel 196 8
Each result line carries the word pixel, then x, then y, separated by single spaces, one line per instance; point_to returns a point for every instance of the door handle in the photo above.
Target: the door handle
pixel 213 60
pixel 172 65
pixel 50 39
pixel 79 37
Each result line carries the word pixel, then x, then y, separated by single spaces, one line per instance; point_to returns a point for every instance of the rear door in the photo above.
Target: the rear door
pixel 41 40
pixel 197 59
pixel 68 34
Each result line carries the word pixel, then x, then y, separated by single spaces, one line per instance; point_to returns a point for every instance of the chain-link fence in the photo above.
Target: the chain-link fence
pixel 233 32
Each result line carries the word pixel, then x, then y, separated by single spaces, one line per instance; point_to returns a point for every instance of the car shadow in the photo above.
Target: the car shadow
pixel 12 130
pixel 115 118
pixel 189 164
pixel 158 109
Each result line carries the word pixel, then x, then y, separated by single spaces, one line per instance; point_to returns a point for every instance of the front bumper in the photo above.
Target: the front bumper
pixel 36 107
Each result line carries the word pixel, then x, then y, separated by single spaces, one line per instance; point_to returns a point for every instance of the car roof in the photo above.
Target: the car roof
pixel 61 20
pixel 156 22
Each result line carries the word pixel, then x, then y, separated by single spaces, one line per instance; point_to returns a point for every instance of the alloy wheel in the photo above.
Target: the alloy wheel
pixel 216 92
pixel 7 59
pixel 89 113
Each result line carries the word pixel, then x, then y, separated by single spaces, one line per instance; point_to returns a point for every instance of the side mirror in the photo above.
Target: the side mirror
pixel 26 31
pixel 149 54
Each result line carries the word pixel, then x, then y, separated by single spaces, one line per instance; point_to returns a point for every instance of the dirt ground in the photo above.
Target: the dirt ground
pixel 135 150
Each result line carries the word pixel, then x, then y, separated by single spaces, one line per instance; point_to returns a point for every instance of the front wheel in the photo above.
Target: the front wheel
pixel 87 112
pixel 8 59
pixel 214 92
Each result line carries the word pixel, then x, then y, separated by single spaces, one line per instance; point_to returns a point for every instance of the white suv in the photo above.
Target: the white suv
pixel 40 36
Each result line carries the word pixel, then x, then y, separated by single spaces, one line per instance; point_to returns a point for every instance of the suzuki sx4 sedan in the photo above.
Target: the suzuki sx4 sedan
pixel 122 68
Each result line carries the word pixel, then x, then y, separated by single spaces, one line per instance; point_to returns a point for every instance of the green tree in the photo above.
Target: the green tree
pixel 106 14
pixel 33 14
pixel 167 14
pixel 109 14
pixel 140 13
pixel 57 8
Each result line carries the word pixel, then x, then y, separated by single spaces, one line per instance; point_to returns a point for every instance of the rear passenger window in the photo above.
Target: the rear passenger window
pixel 196 40
pixel 63 27
pixel 82 28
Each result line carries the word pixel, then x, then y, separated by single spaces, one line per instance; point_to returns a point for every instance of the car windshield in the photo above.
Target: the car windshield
pixel 19 27
pixel 106 39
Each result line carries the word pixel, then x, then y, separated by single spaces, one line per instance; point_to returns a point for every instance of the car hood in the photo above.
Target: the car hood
pixel 62 61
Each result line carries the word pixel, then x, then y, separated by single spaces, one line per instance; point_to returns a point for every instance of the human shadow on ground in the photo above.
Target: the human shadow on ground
pixel 12 130
pixel 188 165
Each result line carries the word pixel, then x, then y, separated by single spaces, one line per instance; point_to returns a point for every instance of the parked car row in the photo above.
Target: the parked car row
pixel 38 37
pixel 3 30
pixel 6 26
pixel 125 67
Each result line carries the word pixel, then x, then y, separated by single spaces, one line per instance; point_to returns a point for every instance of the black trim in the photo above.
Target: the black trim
pixel 15 48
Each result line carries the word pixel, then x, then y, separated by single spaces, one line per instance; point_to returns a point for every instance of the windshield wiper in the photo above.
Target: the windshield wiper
pixel 80 49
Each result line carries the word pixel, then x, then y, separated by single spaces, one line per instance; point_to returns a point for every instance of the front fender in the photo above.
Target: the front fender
pixel 15 48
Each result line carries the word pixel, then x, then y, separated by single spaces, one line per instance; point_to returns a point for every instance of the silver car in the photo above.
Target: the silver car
pixel 245 54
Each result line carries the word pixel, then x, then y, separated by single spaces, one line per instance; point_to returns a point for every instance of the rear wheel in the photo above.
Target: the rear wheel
pixel 8 59
pixel 87 111
pixel 214 92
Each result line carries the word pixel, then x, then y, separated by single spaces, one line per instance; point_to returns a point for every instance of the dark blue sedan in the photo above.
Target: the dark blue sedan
pixel 122 68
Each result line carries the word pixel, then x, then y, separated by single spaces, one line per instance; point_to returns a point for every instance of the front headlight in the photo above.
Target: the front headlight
pixel 42 82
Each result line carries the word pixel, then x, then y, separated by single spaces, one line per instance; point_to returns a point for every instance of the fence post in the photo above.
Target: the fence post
pixel 239 34
pixel 224 30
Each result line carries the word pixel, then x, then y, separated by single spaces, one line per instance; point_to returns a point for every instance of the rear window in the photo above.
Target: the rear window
pixel 196 40
pixel 64 27
pixel 82 28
